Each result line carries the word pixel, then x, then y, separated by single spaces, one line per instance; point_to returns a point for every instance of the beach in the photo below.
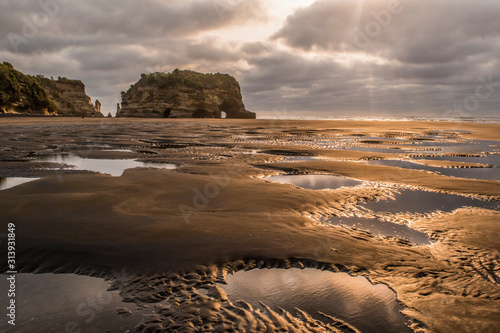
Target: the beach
pixel 203 205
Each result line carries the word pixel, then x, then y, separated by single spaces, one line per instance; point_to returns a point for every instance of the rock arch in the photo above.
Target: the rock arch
pixel 167 112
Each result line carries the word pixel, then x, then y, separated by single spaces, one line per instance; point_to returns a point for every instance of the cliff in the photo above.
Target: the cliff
pixel 36 95
pixel 70 98
pixel 20 93
pixel 184 94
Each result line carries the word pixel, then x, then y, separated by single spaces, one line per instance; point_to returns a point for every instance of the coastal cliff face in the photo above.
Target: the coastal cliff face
pixel 22 94
pixel 70 98
pixel 37 95
pixel 184 94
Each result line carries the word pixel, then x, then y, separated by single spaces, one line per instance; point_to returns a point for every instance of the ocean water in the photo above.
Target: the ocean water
pixel 290 115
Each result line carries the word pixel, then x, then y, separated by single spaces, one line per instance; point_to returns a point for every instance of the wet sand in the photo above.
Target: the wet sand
pixel 216 214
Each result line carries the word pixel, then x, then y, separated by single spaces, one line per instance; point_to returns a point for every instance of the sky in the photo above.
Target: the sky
pixel 292 57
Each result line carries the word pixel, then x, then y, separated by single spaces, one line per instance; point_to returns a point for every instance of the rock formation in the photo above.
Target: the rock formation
pixel 37 95
pixel 23 94
pixel 184 94
pixel 70 98
pixel 98 106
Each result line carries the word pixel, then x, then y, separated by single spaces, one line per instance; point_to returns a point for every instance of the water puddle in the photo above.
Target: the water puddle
pixel 401 164
pixel 379 150
pixel 471 147
pixel 403 201
pixel 302 158
pixel 490 158
pixel 315 182
pixel 470 173
pixel 488 151
pixel 67 303
pixel 380 228
pixel 422 202
pixel 408 201
pixel 120 150
pixel 368 307
pixel 114 167
pixel 416 145
pixel 10 182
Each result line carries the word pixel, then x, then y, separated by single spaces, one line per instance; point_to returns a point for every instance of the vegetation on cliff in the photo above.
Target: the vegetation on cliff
pixel 189 79
pixel 54 83
pixel 38 95
pixel 22 91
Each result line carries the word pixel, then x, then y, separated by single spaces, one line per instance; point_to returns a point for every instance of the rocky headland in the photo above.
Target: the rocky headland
pixel 70 98
pixel 22 94
pixel 184 94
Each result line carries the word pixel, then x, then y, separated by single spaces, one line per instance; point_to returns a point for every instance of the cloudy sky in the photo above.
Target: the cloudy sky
pixel 291 57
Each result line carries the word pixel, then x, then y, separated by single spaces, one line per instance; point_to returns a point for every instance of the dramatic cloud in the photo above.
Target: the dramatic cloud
pixel 405 30
pixel 438 49
pixel 340 57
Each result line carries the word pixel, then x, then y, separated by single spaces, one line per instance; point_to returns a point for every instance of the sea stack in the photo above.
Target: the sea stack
pixel 184 94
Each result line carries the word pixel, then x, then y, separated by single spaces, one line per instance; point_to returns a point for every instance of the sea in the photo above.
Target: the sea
pixel 318 116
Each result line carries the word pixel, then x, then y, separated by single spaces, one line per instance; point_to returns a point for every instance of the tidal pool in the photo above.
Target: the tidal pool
pixel 10 182
pixel 410 201
pixel 472 146
pixel 368 307
pixel 67 303
pixel 382 228
pixel 114 167
pixel 417 201
pixel 490 158
pixel 445 146
pixel 471 173
pixel 315 182
pixel 380 150
pixel 302 158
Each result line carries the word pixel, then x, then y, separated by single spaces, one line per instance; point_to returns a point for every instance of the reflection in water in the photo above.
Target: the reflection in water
pixel 472 173
pixel 112 167
pixel 425 202
pixel 492 159
pixel 382 228
pixel 303 158
pixel 315 182
pixel 468 147
pixel 410 201
pixel 406 200
pixel 368 307
pixel 395 149
pixel 66 303
pixel 442 145
pixel 9 182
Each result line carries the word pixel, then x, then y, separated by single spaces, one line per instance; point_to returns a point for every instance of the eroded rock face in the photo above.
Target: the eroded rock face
pixel 36 95
pixel 70 98
pixel 184 94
